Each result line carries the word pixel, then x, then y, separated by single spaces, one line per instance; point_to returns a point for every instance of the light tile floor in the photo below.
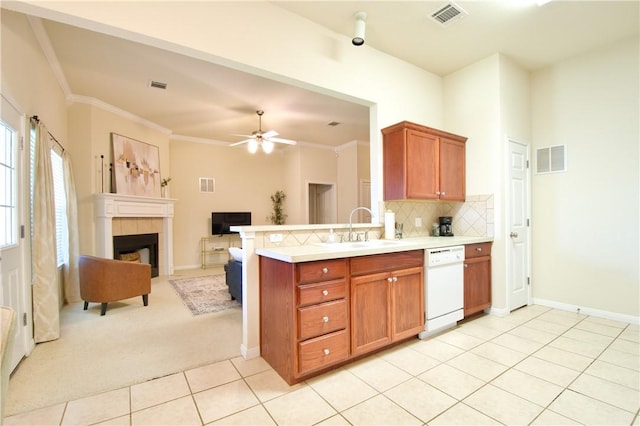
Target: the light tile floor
pixel 536 366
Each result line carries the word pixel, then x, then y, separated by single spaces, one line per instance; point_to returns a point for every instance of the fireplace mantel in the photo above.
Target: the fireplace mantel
pixel 108 206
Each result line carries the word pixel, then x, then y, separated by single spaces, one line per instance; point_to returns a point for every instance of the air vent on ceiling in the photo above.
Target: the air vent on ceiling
pixel 158 85
pixel 552 159
pixel 448 14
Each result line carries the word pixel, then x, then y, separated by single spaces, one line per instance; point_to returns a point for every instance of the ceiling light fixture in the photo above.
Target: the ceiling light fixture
pixel 359 31
pixel 267 146
pixel 253 146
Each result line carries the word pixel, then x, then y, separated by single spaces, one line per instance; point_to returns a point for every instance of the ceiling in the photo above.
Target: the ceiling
pixel 195 105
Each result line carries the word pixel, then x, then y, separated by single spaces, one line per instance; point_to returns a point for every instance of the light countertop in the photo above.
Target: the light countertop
pixel 325 251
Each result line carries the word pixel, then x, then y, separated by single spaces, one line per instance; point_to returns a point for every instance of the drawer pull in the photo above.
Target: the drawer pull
pixel 325 292
pixel 326 351
pixel 325 270
pixel 325 319
pixel 478 248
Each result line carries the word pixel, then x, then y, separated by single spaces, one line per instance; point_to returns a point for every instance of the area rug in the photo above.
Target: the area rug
pixel 205 294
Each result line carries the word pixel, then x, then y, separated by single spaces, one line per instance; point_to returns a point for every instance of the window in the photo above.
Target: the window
pixel 60 197
pixel 62 235
pixel 8 199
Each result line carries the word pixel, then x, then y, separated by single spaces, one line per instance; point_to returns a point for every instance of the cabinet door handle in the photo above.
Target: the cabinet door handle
pixel 465 265
pixel 325 270
pixel 443 193
pixel 390 279
pixel 325 292
pixel 326 351
pixel 395 279
pixel 325 319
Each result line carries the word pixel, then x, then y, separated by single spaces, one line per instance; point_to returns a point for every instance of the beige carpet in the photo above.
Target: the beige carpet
pixel 130 344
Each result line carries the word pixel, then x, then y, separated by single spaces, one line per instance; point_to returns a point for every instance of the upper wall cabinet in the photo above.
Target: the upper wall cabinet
pixel 421 163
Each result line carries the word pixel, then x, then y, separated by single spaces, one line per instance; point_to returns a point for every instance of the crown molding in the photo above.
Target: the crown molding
pixel 117 111
pixel 194 139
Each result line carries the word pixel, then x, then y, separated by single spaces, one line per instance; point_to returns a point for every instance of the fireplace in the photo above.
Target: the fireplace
pixel 111 206
pixel 144 245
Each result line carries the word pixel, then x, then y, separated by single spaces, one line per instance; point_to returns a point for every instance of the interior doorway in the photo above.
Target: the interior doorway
pixel 322 203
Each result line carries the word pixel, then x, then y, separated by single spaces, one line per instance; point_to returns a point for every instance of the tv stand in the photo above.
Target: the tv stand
pixel 215 249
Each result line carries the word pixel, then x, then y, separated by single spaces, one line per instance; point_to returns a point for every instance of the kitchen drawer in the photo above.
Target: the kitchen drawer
pixel 321 319
pixel 364 265
pixel 477 250
pixel 309 294
pixel 323 270
pixel 323 351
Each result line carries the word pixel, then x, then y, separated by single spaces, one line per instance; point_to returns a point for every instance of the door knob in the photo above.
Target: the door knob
pixel 513 235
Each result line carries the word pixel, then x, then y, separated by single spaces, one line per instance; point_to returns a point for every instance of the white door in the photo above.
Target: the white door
pixel 518 225
pixel 14 288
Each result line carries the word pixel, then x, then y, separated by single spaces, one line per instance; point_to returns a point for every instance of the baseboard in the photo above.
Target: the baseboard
pixel 503 312
pixel 249 353
pixel 587 311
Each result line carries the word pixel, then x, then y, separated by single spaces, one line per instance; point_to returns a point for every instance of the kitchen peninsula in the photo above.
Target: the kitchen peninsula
pixel 325 304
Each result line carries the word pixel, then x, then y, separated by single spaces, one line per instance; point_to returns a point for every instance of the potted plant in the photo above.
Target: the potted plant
pixel 163 186
pixel 277 217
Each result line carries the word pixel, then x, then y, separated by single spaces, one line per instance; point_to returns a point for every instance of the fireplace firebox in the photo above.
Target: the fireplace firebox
pixel 126 244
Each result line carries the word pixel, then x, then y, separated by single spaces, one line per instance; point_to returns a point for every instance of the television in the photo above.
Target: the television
pixel 221 221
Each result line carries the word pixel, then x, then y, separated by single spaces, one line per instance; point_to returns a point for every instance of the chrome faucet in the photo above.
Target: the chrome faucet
pixel 349 237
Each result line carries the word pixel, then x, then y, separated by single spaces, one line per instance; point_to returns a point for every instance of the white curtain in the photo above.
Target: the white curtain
pixel 46 314
pixel 71 282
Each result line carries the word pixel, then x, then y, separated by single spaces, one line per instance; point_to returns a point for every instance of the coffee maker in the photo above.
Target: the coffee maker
pixel 446 228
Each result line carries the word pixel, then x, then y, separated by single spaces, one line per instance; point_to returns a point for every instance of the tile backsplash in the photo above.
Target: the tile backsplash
pixel 473 218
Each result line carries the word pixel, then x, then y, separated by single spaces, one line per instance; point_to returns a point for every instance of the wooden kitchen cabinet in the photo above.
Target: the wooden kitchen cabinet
pixel 387 299
pixel 423 163
pixel 317 315
pixel 304 316
pixel 477 278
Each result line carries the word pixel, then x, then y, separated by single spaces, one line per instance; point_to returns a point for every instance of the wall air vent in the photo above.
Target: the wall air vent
pixel 448 14
pixel 158 85
pixel 207 185
pixel 551 159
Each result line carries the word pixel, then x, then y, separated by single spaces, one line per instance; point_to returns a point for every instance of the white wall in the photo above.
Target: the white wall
pixel 26 75
pixel 472 109
pixel 585 244
pixel 243 182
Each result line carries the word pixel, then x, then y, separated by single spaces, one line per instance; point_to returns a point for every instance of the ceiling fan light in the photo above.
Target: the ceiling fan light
pixel 253 146
pixel 267 147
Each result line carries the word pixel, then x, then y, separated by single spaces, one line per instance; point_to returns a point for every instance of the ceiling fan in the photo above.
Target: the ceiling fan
pixel 265 140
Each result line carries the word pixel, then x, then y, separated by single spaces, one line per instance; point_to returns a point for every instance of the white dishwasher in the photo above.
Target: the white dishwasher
pixel 444 288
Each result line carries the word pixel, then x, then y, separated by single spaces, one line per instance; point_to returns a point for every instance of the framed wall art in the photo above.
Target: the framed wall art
pixel 136 167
